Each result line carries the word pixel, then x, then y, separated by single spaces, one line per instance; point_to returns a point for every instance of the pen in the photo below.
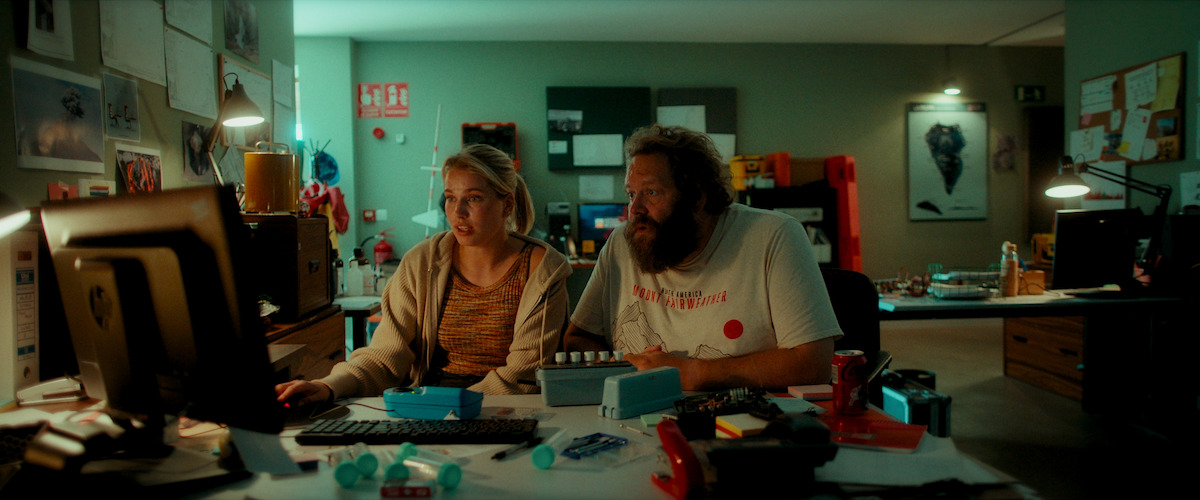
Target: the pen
pixel 517 447
pixel 623 426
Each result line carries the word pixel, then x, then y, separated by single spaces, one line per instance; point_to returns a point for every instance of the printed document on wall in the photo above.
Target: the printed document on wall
pixel 131 38
pixel 50 29
pixel 191 78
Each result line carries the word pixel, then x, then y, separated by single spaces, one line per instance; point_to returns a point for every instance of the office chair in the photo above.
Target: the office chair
pixel 856 305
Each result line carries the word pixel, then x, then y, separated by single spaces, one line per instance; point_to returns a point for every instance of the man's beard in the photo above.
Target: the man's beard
pixel 667 244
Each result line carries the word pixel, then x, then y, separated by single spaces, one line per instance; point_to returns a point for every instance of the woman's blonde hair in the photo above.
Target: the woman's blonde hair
pixel 498 170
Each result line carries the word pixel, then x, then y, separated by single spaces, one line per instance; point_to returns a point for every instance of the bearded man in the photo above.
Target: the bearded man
pixel 730 295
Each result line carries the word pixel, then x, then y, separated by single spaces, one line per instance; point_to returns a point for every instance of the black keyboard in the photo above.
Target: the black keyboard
pixel 477 431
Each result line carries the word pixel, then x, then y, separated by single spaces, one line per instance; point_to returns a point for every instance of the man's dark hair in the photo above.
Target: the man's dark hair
pixel 696 166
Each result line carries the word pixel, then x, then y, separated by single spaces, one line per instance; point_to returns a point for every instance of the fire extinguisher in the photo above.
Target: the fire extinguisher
pixel 383 250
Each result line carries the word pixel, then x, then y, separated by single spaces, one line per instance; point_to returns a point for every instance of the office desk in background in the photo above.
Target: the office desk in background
pixel 515 477
pixel 1131 346
pixel 358 309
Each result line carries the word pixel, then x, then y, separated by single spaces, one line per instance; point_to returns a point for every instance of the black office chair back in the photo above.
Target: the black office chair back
pixel 856 305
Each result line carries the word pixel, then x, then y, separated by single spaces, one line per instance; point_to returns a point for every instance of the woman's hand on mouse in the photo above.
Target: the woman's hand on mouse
pixel 303 392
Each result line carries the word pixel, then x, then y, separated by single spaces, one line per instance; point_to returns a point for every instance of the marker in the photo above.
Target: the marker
pixel 515 448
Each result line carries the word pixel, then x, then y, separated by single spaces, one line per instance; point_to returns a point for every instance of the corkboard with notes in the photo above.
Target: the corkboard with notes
pixel 1134 114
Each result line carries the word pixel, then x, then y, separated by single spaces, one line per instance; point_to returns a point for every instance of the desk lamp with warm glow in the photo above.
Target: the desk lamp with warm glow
pixel 237 110
pixel 1068 183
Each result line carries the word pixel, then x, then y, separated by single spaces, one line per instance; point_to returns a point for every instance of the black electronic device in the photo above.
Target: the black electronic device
pixel 162 321
pixel 596 223
pixel 1095 248
pixel 558 217
pixel 474 431
pixel 697 414
pixel 914 403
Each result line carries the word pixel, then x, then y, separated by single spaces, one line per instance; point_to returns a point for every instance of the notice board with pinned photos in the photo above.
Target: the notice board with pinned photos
pixel 1133 115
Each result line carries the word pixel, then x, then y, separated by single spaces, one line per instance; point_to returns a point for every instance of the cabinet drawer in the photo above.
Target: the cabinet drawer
pixel 1046 352
pixel 324 344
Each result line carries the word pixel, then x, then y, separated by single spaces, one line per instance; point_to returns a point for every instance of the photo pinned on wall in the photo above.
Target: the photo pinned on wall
pixel 947 161
pixel 121 108
pixel 140 168
pixel 196 166
pixel 57 118
pixel 241 29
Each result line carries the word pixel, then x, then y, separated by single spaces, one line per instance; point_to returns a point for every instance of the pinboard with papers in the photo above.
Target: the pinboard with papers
pixel 1133 115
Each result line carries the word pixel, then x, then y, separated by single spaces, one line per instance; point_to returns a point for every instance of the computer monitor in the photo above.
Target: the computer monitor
pixel 597 222
pixel 161 323
pixel 1094 248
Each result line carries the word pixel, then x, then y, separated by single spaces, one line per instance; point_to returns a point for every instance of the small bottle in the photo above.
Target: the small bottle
pixel 1010 270
pixel 340 285
pixel 368 275
pixel 354 280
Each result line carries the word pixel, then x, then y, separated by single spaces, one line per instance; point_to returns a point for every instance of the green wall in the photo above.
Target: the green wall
pixel 808 100
pixel 324 66
pixel 1106 36
pixel 160 124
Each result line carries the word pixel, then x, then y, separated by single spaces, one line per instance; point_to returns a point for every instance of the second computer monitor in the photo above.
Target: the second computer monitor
pixel 596 223
pixel 1094 248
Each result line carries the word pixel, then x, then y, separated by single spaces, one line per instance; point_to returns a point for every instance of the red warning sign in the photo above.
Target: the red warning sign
pixel 383 100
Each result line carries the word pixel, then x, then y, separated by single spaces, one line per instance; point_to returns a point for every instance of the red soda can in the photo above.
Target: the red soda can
pixel 849 382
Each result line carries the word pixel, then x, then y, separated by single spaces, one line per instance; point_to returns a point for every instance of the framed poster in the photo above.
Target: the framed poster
pixel 947 161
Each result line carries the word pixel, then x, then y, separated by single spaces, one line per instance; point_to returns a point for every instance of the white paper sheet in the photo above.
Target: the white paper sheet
pixel 689 117
pixel 194 17
pixel 1088 142
pixel 283 130
pixel 283 79
pixel 598 150
pixel 596 188
pixel 191 77
pixel 726 145
pixel 1097 95
pixel 1133 136
pixel 50 32
pixel 1141 85
pixel 131 38
pixel 1189 188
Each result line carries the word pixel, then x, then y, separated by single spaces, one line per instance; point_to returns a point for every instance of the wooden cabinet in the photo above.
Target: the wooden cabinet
pixel 1046 352
pixel 308 348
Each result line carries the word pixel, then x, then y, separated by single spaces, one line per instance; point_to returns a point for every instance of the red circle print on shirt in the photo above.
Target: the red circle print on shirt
pixel 733 329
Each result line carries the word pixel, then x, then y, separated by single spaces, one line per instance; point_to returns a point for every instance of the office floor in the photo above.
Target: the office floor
pixel 1044 440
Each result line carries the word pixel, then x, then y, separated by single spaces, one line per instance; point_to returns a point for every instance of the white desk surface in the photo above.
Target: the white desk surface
pixel 516 477
pixel 359 302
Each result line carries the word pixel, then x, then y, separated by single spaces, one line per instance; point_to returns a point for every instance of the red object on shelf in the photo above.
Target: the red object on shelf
pixel 780 164
pixel 842 176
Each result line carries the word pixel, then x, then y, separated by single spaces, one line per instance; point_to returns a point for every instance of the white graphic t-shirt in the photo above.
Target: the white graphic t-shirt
pixel 756 286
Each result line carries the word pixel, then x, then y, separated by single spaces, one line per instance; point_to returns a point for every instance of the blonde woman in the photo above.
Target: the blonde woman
pixel 479 306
